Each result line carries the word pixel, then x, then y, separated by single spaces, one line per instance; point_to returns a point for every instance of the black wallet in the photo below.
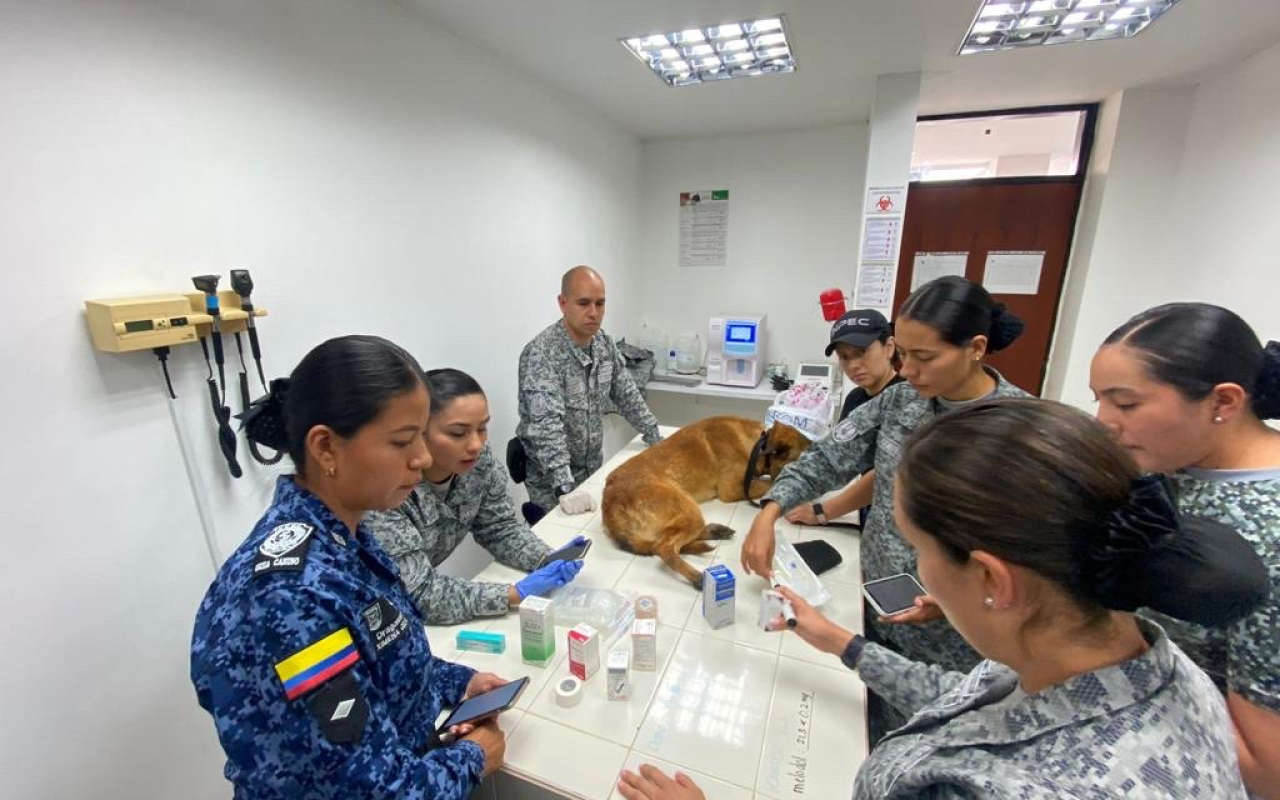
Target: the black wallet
pixel 819 555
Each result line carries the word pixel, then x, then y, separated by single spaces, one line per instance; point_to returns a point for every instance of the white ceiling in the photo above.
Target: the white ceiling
pixel 840 46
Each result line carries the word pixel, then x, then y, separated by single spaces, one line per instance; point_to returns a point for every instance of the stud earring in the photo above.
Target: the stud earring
pixel 1218 419
pixel 989 602
pixel 331 471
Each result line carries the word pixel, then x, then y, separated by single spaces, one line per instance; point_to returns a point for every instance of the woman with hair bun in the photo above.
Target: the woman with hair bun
pixel 943 331
pixel 1185 388
pixel 1077 697
pixel 308 652
pixel 464 493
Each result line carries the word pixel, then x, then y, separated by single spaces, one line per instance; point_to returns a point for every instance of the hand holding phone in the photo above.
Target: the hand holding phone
pixel 486 705
pixel 573 551
pixel 893 595
pixel 926 609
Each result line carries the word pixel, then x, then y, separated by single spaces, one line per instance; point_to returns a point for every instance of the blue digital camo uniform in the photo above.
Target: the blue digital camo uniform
pixel 563 394
pixel 878 430
pixel 1243 657
pixel 1152 728
pixel 313 662
pixel 426 529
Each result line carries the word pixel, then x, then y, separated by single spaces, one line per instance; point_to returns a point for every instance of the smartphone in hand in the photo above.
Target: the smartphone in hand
pixel 572 552
pixel 893 595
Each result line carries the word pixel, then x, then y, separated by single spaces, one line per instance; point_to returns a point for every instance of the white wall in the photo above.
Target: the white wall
pixel 794 212
pixel 375 175
pixel 1187 213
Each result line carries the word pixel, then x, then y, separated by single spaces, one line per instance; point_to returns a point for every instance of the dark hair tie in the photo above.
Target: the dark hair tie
pixel 1123 541
pixel 1147 554
pixel 1266 392
pixel 1006 327
pixel 264 420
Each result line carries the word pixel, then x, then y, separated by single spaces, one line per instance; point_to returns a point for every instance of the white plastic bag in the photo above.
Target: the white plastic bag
pixel 811 416
pixel 791 571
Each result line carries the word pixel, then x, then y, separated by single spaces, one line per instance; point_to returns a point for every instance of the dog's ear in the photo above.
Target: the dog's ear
pixel 786 442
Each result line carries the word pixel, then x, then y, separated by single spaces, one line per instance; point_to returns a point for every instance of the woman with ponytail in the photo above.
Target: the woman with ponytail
pixel 1077 697
pixel 308 652
pixel 943 331
pixel 1186 389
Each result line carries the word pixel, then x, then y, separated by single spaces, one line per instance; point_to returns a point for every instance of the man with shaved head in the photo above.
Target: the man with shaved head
pixel 566 374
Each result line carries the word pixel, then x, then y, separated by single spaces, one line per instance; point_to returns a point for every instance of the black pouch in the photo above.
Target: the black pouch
pixel 819 555
pixel 517 461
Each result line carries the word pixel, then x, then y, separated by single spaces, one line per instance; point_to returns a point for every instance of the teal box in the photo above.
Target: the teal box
pixel 482 642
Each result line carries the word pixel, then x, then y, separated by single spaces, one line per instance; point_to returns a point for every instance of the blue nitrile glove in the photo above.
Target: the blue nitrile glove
pixel 544 579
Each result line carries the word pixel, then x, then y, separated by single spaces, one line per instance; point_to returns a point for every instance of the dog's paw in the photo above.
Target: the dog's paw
pixel 714 531
pixel 697 582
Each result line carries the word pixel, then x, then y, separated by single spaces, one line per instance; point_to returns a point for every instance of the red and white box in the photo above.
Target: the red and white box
pixel 584 651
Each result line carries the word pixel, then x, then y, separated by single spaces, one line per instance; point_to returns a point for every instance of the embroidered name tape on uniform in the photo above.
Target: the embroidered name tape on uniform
pixel 285 548
pixel 317 663
pixel 385 622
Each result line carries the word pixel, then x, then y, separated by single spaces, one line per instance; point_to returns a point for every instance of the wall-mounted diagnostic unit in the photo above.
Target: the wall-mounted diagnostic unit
pixel 158 322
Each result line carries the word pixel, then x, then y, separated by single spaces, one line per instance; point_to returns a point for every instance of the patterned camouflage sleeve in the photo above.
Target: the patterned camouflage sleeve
pixel 906 685
pixel 452 680
pixel 497 526
pixel 626 395
pixel 442 599
pixel 290 749
pixel 542 398
pixel 1253 651
pixel 832 461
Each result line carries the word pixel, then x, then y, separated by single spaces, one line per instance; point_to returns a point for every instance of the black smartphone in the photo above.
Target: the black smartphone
pixel 484 706
pixel 893 595
pixel 571 552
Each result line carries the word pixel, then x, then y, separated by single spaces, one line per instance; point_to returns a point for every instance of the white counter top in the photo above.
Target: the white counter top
pixel 747 714
pixel 762 392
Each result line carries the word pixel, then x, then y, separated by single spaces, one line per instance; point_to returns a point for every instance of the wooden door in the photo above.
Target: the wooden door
pixel 978 217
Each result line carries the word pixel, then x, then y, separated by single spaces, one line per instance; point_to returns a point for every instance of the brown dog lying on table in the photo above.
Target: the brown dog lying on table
pixel 651 501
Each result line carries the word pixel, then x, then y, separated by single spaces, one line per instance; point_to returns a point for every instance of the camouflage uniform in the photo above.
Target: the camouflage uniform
pixel 1152 727
pixel 426 529
pixel 563 390
pixel 873 435
pixel 312 659
pixel 1243 657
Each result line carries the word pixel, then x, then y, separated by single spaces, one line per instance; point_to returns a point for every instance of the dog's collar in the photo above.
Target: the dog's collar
pixel 757 450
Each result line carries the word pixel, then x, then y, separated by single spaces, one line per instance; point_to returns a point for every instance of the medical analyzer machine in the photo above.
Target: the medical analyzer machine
pixel 736 350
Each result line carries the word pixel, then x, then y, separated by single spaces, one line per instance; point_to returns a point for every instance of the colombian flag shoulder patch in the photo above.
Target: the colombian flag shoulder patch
pixel 313 665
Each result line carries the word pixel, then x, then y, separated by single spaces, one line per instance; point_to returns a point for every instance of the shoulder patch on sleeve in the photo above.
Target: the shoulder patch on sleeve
pixel 845 430
pixel 340 710
pixel 285 548
pixel 316 663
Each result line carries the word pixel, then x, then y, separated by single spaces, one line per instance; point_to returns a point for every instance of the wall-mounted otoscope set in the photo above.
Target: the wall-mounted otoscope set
pixel 158 322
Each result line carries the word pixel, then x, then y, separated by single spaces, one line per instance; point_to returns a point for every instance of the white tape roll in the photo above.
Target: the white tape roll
pixel 568 691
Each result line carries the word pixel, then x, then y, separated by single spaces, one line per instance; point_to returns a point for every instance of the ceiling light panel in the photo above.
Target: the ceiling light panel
pixel 717 52
pixel 1003 25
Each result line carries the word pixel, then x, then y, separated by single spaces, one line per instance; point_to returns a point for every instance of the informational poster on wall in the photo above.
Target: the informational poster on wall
pixel 704 228
pixel 875 286
pixel 931 266
pixel 880 239
pixel 885 200
pixel 1013 271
